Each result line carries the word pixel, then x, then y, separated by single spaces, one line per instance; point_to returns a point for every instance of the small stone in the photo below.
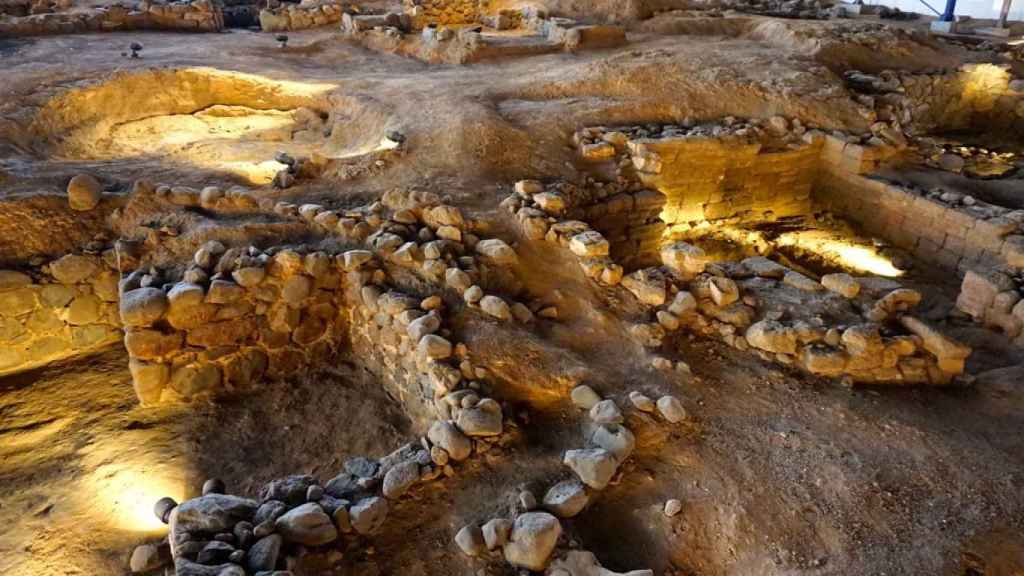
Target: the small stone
pixel 841 283
pixel 606 412
pixel 447 436
pixel 566 499
pixel 496 307
pixel 641 402
pixel 473 294
pixel 314 493
pixel 400 478
pixel 143 306
pixel 527 501
pixel 368 515
pixel 496 532
pixel 147 558
pixel 84 192
pixel 584 397
pixel 434 347
pixel 671 409
pixel 673 507
pixel 470 540
pixel 262 556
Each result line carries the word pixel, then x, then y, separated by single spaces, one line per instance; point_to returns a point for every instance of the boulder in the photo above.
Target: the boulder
pixel 214 512
pixel 400 478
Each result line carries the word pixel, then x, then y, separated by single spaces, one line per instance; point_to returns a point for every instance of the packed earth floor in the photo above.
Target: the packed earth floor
pixel 645 290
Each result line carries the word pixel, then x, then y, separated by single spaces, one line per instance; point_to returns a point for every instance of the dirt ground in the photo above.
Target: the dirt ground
pixel 779 474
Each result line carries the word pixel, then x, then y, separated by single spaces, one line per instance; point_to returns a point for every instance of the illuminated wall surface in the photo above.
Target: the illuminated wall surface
pixel 972 8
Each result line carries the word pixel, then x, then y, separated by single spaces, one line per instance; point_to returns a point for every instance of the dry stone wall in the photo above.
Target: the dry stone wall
pixel 444 12
pixel 195 16
pixel 63 309
pixel 300 16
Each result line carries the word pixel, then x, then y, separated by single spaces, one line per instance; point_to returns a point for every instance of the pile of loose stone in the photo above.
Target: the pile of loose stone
pixel 529 540
pixel 803 9
pixel 995 298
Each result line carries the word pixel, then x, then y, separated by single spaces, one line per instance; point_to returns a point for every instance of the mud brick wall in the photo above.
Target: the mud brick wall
pixel 708 179
pixel 933 231
pixel 61 310
pixel 444 12
pixel 198 16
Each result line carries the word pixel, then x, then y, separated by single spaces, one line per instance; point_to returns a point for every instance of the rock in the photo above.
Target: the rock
pixel 147 558
pixel 566 499
pixel 496 307
pixel 527 501
pixel 772 336
pixel 528 187
pixel 185 567
pixel 648 288
pixel 497 251
pixel 496 532
pixel 532 540
pixel 84 192
pixel 296 289
pixel 950 353
pixel 215 552
pixel 842 284
pixel 269 511
pixel 763 267
pixel 73 268
pixel 420 327
pixel 583 563
pixel 686 259
pixel 671 409
pixel 457 279
pixel 143 306
pixel 800 282
pixel 614 438
pixel 307 525
pixel 641 402
pixel 224 292
pixel 484 419
pixel 723 291
pixel 584 397
pixel 473 294
pixel 148 380
pixel 606 412
pixel 249 276
pixel 447 436
pixel 400 478
pixel 368 515
pixel 434 347
pixel 594 466
pixel 10 279
pixel 589 244
pixel 673 507
pixel 214 512
pixel 682 303
pixel 291 489
pixel 470 540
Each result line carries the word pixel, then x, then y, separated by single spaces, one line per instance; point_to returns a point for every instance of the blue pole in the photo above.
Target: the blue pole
pixel 948 15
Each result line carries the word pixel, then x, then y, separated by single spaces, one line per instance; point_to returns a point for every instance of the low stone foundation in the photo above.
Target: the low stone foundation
pixel 300 17
pixel 196 16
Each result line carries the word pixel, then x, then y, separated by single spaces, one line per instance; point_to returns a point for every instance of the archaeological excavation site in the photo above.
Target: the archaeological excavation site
pixel 511 288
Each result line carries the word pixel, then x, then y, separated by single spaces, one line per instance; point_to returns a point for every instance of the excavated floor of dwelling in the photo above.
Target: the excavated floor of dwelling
pixel 779 474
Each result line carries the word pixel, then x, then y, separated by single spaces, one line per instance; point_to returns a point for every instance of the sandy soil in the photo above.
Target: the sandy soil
pixel 779 475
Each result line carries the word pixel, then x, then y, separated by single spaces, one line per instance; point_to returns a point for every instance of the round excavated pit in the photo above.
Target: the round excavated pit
pixel 206 120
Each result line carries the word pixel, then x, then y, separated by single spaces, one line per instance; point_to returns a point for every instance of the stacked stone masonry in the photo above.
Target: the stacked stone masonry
pixel 196 16
pixel 300 17
pixel 66 308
